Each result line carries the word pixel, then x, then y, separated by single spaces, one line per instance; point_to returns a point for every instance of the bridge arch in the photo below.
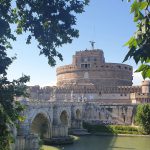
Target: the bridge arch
pixel 78 114
pixel 64 118
pixel 41 125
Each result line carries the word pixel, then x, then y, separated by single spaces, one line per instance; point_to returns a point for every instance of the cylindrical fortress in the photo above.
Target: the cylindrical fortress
pixel 89 67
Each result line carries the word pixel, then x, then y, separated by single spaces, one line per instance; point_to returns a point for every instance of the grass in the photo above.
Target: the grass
pixel 45 147
pixel 75 138
pixel 112 129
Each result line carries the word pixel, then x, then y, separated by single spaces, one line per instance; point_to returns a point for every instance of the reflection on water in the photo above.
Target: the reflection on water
pixel 108 143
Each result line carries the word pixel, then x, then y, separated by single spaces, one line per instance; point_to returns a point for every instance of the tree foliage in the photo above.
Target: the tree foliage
pixel 51 24
pixel 143 117
pixel 139 43
pixel 10 109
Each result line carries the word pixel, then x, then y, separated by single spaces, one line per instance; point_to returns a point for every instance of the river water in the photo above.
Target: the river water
pixel 107 143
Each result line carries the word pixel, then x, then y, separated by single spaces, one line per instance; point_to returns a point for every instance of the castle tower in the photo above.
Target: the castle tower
pixel 145 86
pixel 89 67
pixel 88 59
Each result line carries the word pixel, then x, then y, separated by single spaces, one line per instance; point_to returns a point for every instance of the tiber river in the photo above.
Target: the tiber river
pixel 107 143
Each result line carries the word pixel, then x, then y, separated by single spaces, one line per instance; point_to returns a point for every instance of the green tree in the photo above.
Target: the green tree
pixel 139 43
pixel 51 24
pixel 143 117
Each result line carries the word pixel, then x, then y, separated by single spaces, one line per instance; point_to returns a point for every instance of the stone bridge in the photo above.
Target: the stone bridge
pixel 47 119
pixel 53 119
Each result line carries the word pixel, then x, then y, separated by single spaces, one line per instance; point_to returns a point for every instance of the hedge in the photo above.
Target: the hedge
pixel 111 129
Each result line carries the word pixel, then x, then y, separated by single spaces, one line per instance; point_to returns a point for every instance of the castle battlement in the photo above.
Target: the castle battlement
pixel 103 67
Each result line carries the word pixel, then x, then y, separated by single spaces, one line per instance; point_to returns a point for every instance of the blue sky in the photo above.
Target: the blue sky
pixel 107 22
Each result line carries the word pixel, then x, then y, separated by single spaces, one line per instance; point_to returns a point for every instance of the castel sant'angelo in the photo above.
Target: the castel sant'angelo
pixel 89 90
pixel 90 78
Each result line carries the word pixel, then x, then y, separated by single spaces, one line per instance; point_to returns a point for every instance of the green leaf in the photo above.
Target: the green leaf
pixel 21 118
pixel 131 42
pixel 143 5
pixel 144 26
pixel 138 16
pixel 147 74
pixel 141 68
pixel 145 69
pixel 29 40
pixel 19 31
pixel 129 54
pixel 147 60
pixel 135 7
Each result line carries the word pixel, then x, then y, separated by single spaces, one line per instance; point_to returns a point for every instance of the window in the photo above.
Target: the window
pixel 82 60
pixel 82 65
pixel 119 67
pixel 95 59
pixel 85 66
pixel 88 65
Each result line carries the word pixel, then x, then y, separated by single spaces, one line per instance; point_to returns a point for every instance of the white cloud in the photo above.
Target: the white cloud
pixel 137 78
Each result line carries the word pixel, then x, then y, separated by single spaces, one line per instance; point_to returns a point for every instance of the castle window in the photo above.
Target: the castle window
pixel 119 67
pixel 82 60
pixel 95 59
pixel 82 65
pixel 86 65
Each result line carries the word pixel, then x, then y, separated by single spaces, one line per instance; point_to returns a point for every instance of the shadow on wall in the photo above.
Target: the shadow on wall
pixel 64 118
pixel 41 126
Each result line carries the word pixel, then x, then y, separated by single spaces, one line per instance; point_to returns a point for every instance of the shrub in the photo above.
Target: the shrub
pixel 111 129
pixel 143 117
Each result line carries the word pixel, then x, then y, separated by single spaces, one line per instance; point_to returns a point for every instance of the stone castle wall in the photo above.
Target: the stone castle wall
pixel 38 93
pixel 91 93
pixel 90 66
